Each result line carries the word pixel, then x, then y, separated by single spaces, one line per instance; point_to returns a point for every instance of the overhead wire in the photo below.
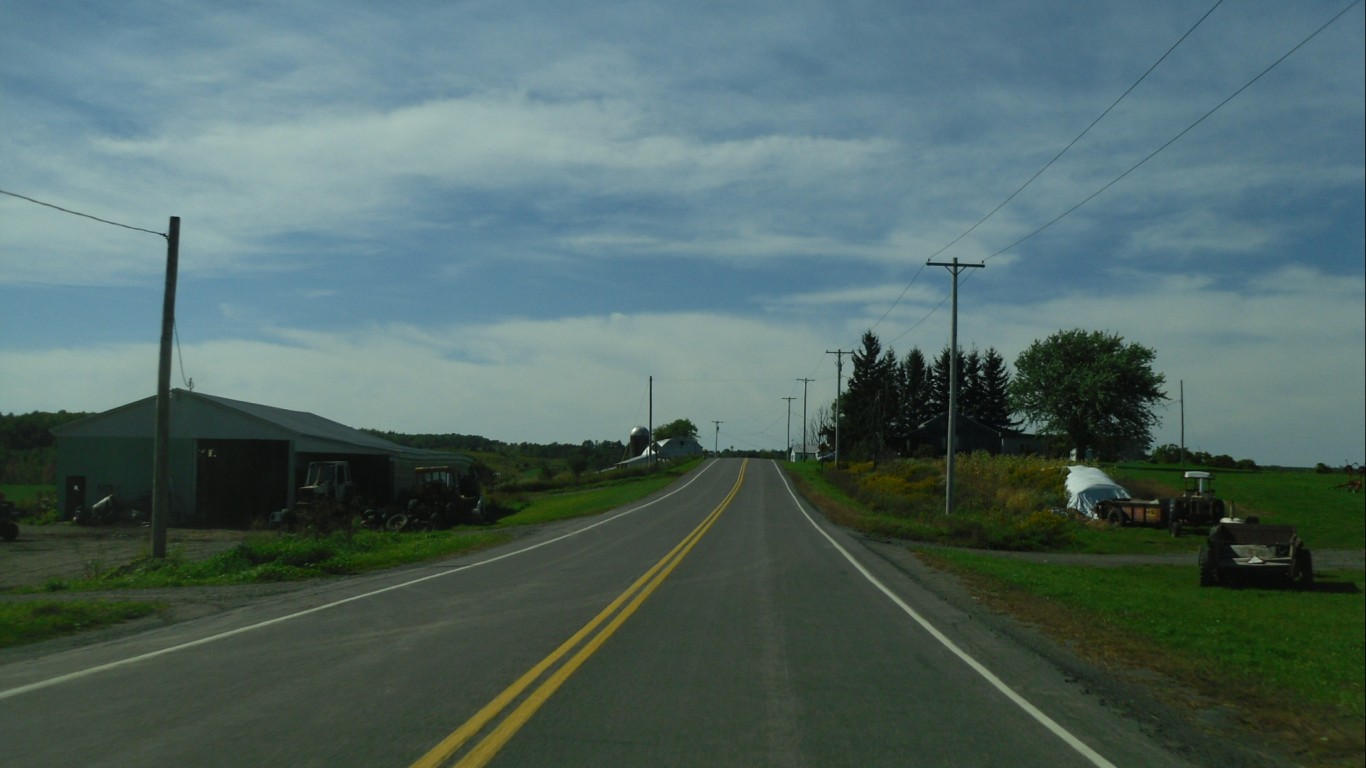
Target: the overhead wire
pixel 1183 132
pixel 1046 165
pixel 1141 162
pixel 180 355
pixel 84 215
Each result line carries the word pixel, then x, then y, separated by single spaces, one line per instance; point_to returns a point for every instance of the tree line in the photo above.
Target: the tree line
pixel 28 453
pixel 889 398
pixel 592 454
pixel 1081 390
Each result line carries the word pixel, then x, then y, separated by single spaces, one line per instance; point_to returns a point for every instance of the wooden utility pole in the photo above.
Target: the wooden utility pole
pixel 161 450
pixel 1182 395
pixel 839 375
pixel 955 268
pixel 716 441
pixel 804 383
pixel 789 400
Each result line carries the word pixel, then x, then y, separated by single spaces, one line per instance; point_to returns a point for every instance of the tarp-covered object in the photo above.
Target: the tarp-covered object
pixel 1088 485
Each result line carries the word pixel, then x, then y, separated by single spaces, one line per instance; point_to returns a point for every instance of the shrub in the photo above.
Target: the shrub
pixel 1002 502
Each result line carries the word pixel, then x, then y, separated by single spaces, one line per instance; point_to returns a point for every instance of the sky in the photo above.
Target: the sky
pixel 542 221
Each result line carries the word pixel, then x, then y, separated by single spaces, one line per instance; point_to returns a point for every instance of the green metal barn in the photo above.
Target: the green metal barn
pixel 232 463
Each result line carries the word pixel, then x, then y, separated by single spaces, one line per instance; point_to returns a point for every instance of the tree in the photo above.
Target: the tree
pixel 993 398
pixel 869 401
pixel 676 428
pixel 913 395
pixel 1091 387
pixel 938 384
pixel 970 394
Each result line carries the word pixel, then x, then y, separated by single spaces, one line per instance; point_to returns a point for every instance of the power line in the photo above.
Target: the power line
pixel 85 215
pixel 1050 163
pixel 1150 156
pixel 1183 132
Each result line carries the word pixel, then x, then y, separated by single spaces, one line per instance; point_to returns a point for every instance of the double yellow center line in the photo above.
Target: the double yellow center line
pixel 605 624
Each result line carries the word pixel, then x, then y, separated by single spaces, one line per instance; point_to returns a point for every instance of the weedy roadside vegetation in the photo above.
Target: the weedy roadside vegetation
pixel 34 620
pixel 1291 665
pixel 1009 503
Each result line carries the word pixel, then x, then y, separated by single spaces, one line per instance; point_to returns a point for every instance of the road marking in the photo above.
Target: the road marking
pixel 1072 741
pixel 89 671
pixel 637 594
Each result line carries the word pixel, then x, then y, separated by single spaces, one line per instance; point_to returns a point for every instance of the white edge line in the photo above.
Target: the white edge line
pixel 48 683
pixel 996 682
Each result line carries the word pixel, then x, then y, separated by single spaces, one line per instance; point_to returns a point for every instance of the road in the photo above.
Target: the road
pixel 720 622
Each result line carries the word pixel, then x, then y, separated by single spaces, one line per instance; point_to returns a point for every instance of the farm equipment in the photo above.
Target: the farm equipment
pixel 442 496
pixel 1197 505
pixel 1131 512
pixel 110 510
pixel 327 480
pixel 327 484
pixel 1245 551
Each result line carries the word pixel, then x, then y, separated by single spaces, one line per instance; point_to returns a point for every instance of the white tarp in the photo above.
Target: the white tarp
pixel 1088 485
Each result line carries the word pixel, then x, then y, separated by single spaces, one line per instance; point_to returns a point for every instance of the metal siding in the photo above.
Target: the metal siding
pixel 120 465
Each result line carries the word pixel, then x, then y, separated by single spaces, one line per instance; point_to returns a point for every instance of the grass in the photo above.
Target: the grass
pixel 276 557
pixel 25 496
pixel 564 504
pixel 1292 663
pixel 1327 517
pixel 32 621
pixel 1001 504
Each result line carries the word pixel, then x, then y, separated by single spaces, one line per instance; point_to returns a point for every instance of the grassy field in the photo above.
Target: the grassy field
pixel 1327 517
pixel 1291 664
pixel 25 496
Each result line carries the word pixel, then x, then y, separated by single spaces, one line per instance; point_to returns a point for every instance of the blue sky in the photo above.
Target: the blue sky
pixel 502 219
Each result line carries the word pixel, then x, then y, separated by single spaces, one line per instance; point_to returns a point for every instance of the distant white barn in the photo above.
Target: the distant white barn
pixel 669 449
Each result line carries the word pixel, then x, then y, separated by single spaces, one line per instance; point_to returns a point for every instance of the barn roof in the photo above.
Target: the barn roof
pixel 195 414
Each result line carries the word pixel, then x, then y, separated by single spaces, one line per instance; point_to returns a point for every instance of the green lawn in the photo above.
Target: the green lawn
pixel 1291 664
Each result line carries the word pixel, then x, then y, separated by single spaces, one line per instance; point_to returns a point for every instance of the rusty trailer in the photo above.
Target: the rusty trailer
pixel 1244 552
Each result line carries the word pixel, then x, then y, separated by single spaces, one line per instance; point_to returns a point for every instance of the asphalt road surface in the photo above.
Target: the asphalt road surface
pixel 720 622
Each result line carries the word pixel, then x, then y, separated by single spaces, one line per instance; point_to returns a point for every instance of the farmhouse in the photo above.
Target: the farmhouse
pixel 974 436
pixel 231 462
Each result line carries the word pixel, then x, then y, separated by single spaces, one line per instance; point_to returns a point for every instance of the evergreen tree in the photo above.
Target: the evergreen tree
pixel 869 400
pixel 970 384
pixel 913 379
pixel 939 384
pixel 993 406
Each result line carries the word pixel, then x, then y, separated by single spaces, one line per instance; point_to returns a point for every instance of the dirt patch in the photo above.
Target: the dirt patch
pixel 64 551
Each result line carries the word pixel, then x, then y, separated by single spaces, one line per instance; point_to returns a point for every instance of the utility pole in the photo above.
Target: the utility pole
pixel 804 383
pixel 1182 395
pixel 650 447
pixel 955 268
pixel 839 375
pixel 161 455
pixel 716 440
pixel 789 400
